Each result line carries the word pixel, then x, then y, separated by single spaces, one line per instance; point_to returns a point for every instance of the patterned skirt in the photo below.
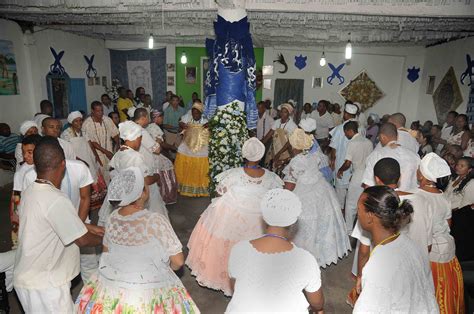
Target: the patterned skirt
pixel 449 286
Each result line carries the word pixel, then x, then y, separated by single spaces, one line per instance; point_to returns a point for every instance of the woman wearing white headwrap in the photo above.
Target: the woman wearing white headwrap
pixel 271 274
pixel 230 218
pixel 321 228
pixel 129 156
pixel 447 273
pixel 140 252
pixel 26 128
pixel 373 128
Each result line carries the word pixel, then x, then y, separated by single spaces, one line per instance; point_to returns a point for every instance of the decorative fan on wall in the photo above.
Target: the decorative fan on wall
pixel 362 89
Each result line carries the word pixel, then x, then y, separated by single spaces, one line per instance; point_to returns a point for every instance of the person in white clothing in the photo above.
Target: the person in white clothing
pixel 27 128
pixel 324 121
pixel 265 121
pixel 397 277
pixel 52 127
pixel 271 274
pixel 358 149
pixel 307 111
pixel 46 108
pixel 406 138
pixel 361 117
pixel 47 258
pixel 408 160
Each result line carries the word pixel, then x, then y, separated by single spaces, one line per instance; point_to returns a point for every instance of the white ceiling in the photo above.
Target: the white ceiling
pixel 273 22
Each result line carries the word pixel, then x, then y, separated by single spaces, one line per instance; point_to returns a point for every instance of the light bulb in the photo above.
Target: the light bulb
pixel 184 59
pixel 348 50
pixel 150 42
pixel 322 61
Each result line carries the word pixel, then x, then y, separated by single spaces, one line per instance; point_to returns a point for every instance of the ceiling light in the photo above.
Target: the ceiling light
pixel 150 42
pixel 322 61
pixel 349 49
pixel 184 59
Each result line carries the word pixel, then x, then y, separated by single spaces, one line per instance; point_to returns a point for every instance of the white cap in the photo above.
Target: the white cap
pixel 25 126
pixel 308 125
pixel 300 140
pixel 129 131
pixel 433 167
pixel 253 149
pixel 73 116
pixel 131 111
pixel 126 186
pixel 350 108
pixel 280 208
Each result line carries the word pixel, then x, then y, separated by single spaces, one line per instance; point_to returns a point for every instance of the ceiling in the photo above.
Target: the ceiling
pixel 277 23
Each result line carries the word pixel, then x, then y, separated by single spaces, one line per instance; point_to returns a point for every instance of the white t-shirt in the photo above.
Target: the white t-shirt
pixel 271 282
pixel 408 160
pixel 76 176
pixel 20 175
pixel 397 279
pixel 264 125
pixel 289 126
pixel 46 256
pixel 324 123
pixel 446 131
pixel 68 149
pixel 358 149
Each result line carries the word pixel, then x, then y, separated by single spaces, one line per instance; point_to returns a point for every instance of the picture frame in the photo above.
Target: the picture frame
pixel 170 67
pixel 431 85
pixel 97 80
pixel 190 75
pixel 170 80
pixel 104 81
pixel 267 84
pixel 317 82
pixel 267 70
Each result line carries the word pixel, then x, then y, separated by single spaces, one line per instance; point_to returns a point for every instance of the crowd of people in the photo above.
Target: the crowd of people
pixel 90 197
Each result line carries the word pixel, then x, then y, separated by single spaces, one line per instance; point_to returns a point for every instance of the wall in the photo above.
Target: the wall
pixel 386 66
pixel 438 60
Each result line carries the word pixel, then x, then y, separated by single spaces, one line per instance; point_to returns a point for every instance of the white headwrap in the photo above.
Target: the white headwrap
pixel 350 108
pixel 253 149
pixel 308 125
pixel 126 186
pixel 375 117
pixel 73 116
pixel 129 131
pixel 287 107
pixel 433 167
pixel 280 208
pixel 25 126
pixel 300 140
pixel 131 111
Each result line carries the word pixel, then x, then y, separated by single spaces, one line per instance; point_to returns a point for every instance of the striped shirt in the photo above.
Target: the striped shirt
pixel 8 144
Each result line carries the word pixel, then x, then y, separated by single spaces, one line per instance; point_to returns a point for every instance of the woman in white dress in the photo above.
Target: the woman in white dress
pixel 140 252
pixel 230 218
pixel 321 228
pixel 271 274
pixel 129 156
pixel 397 276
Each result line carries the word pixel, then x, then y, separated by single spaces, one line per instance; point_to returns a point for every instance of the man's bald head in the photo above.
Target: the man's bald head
pixel 51 127
pixel 398 119
pixel 387 133
pixel 48 155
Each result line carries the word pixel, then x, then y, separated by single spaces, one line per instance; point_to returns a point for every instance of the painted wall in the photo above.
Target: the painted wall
pixel 438 60
pixel 194 55
pixel 386 66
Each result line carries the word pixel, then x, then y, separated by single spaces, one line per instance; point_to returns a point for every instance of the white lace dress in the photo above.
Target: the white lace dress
pixel 230 218
pixel 320 228
pixel 134 274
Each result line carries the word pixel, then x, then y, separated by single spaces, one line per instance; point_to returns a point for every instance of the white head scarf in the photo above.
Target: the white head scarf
pixel 280 207
pixel 288 107
pixel 129 131
pixel 350 108
pixel 73 116
pixel 25 126
pixel 126 186
pixel 308 125
pixel 375 117
pixel 300 140
pixel 433 167
pixel 253 149
pixel 131 111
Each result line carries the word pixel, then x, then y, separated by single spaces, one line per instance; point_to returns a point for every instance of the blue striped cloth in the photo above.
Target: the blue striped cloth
pixel 8 144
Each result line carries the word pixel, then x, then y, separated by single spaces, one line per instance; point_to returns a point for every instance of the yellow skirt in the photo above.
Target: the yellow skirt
pixel 449 286
pixel 192 174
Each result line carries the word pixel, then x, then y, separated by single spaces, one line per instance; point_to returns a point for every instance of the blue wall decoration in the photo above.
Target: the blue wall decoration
pixel 56 68
pixel 336 73
pixel 91 71
pixel 300 62
pixel 281 60
pixel 469 70
pixel 413 74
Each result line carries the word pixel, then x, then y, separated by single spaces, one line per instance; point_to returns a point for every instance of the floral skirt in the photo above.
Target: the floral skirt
pixel 192 174
pixel 449 287
pixel 96 297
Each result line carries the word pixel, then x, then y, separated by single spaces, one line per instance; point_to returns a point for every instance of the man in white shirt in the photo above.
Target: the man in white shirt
pixel 46 108
pixel 358 149
pixel 336 114
pixel 324 121
pixel 405 139
pixel 265 121
pixel 47 258
pixel 52 127
pixel 408 160
pixel 307 111
pixel 106 104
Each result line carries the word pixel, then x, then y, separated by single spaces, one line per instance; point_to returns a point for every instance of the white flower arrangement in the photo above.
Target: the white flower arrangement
pixel 228 132
pixel 112 91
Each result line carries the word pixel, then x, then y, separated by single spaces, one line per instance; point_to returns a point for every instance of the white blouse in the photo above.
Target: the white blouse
pixel 462 198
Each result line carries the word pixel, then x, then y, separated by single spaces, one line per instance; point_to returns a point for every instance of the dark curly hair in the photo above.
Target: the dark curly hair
pixel 384 203
pixel 470 175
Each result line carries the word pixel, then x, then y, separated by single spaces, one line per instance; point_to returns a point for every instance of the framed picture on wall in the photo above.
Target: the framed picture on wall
pixel 190 75
pixel 90 81
pixel 204 68
pixel 170 67
pixel 170 80
pixel 317 82
pixel 104 81
pixel 97 80
pixel 431 84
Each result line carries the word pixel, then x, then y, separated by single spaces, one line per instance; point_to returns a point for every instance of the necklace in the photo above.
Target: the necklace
pixel 272 235
pixel 44 181
pixel 384 241
pixel 252 167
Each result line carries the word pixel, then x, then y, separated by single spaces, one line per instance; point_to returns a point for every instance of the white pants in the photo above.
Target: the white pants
pixel 89 265
pixel 49 300
pixel 7 262
pixel 341 191
pixel 350 209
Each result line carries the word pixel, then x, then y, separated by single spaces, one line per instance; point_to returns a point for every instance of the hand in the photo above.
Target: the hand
pixel 339 174
pixel 359 284
pixel 98 231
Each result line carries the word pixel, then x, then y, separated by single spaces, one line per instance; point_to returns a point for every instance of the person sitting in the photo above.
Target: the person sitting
pixel 271 274
pixel 26 128
pixel 424 139
pixel 8 143
pixel 397 277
